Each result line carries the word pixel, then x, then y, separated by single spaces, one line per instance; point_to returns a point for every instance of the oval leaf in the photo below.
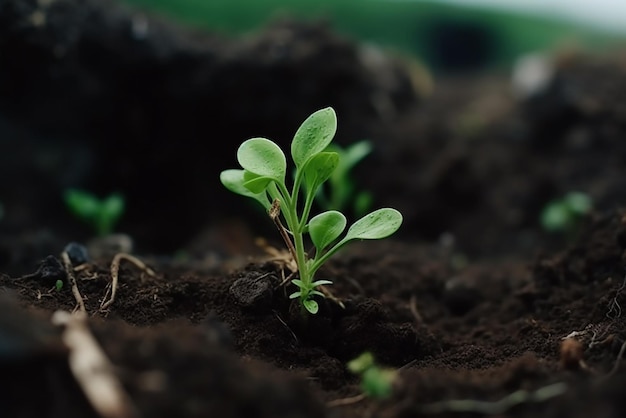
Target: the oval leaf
pixel 379 224
pixel 255 183
pixel 234 181
pixel 258 184
pixel 113 205
pixel 326 228
pixel 355 153
pixel 263 158
pixel 310 305
pixel 319 168
pixel 314 135
pixel 82 203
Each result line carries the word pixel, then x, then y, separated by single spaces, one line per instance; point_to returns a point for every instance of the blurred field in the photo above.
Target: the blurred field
pixel 445 36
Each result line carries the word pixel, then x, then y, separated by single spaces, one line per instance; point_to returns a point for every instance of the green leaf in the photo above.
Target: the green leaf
pixel 310 305
pixel 295 295
pixel 379 224
pixel 377 383
pixel 318 169
pixel 110 211
pixel 263 158
pixel 361 363
pixel 578 203
pixel 113 205
pixel 320 282
pixel 313 136
pixel 355 153
pixel 82 204
pixel 255 183
pixel 298 283
pixel 234 181
pixel 326 228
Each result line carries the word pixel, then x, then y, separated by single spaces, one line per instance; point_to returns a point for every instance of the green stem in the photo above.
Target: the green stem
pixel 307 209
pixel 297 184
pixel 319 262
pixel 289 212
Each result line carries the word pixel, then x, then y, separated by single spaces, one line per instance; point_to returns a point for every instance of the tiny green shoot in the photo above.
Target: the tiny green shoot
pixel 58 285
pixel 101 214
pixel 262 178
pixel 376 382
pixel 564 214
pixel 340 190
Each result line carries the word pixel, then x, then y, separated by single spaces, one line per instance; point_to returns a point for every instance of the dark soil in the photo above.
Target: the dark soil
pixel 472 300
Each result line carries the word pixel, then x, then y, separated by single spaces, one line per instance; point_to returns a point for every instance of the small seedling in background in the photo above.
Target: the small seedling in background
pixel 263 179
pixel 340 191
pixel 101 214
pixel 376 382
pixel 58 286
pixel 565 214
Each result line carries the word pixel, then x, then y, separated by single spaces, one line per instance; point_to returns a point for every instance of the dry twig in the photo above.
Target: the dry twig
pixel 92 369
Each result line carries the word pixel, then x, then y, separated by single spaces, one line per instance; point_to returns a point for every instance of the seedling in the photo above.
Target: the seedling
pixel 564 214
pixel 58 285
pixel 340 191
pixel 101 214
pixel 376 382
pixel 262 178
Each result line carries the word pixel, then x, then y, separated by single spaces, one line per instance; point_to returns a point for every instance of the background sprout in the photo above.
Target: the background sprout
pixel 340 190
pixel 262 178
pixel 376 382
pixel 564 214
pixel 101 214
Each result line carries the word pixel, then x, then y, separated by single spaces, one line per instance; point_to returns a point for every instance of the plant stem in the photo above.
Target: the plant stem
pixel 274 213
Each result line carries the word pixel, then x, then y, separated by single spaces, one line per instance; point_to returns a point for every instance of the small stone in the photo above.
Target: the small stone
pixel 252 291
pixel 50 270
pixel 77 253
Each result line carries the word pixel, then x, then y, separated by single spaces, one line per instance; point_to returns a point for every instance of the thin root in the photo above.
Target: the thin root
pixel 416 314
pixel 115 268
pixel 618 361
pixel 329 295
pixel 498 407
pixel 69 271
pixel 346 401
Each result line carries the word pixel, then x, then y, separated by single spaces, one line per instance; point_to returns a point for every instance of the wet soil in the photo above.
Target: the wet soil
pixel 471 300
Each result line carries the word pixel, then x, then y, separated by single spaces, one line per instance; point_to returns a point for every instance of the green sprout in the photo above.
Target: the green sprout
pixel 376 382
pixel 58 285
pixel 564 214
pixel 341 190
pixel 263 179
pixel 102 214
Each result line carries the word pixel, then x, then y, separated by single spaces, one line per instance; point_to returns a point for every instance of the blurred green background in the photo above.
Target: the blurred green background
pixel 446 37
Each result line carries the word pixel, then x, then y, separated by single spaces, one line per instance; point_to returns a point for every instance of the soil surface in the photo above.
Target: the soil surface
pixel 477 308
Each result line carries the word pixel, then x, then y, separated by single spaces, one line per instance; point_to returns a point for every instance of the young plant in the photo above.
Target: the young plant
pixel 262 177
pixel 101 214
pixel 376 382
pixel 340 190
pixel 564 214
